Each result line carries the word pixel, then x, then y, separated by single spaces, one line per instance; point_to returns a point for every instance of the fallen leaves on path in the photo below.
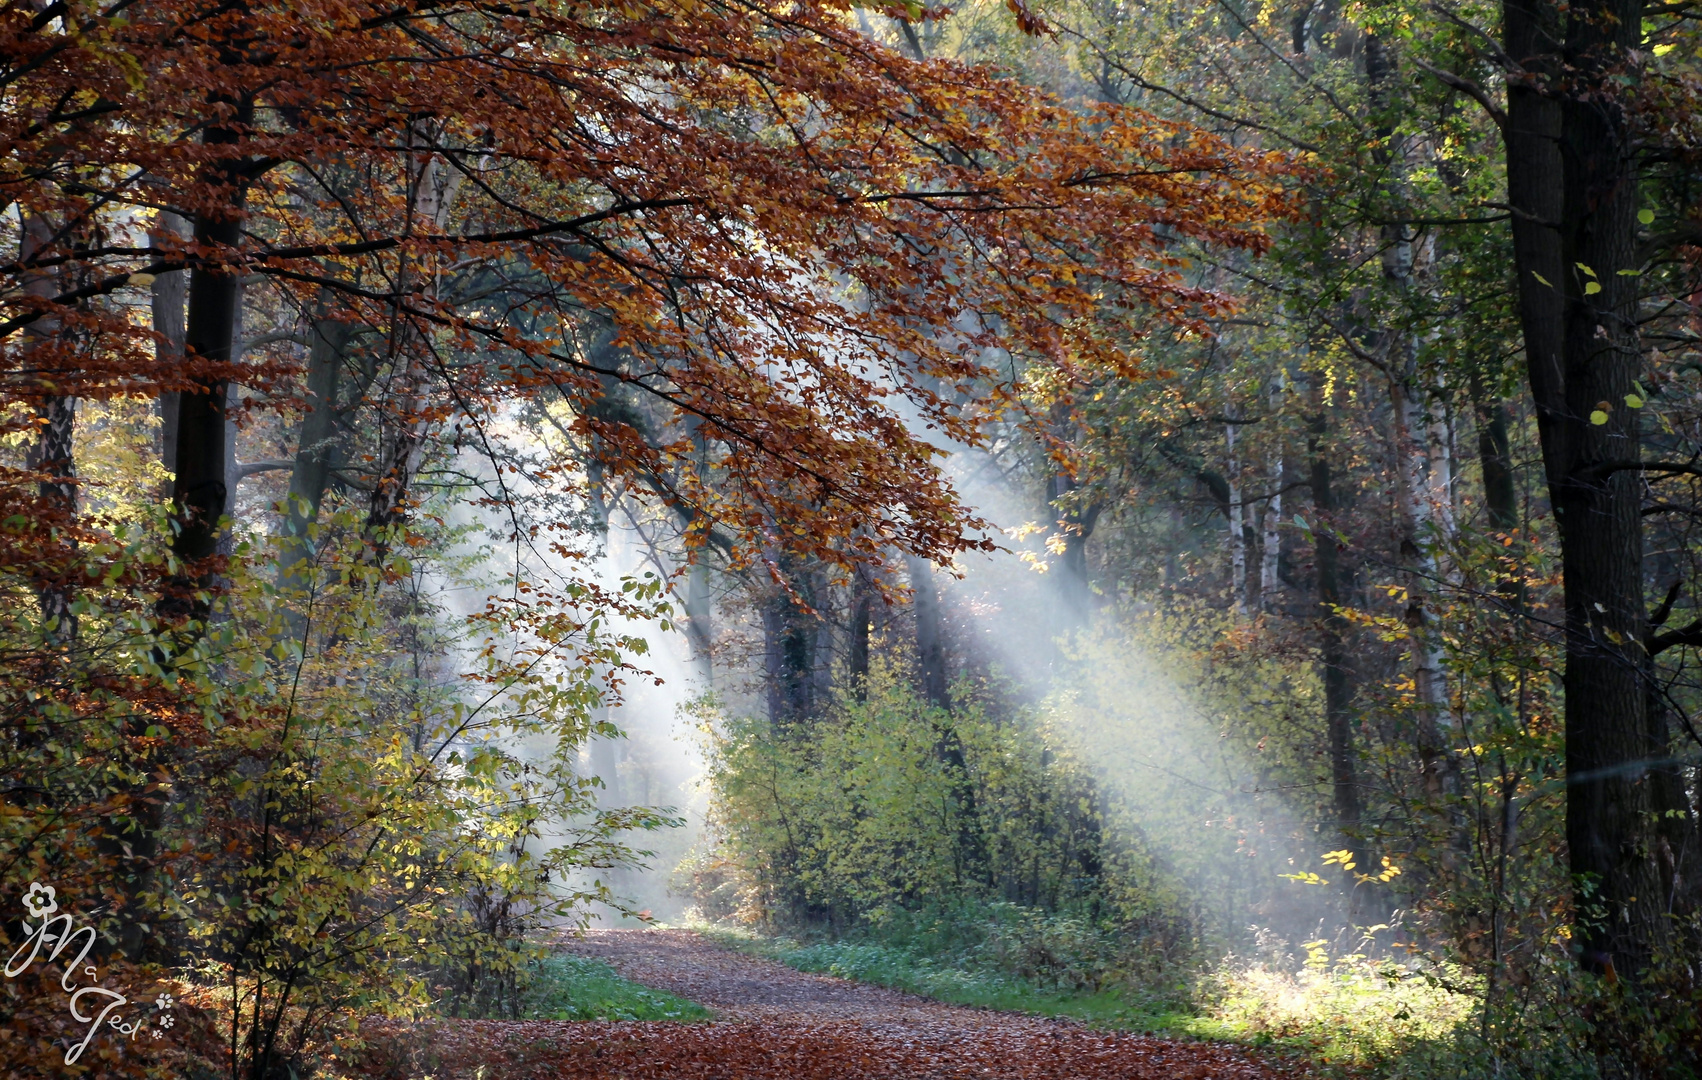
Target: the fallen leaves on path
pixel 778 1024
pixel 1017 1050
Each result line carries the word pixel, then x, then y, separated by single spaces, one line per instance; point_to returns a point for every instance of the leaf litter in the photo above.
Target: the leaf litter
pixel 773 1023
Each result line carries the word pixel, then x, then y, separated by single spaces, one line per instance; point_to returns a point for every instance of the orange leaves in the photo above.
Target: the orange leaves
pixel 793 237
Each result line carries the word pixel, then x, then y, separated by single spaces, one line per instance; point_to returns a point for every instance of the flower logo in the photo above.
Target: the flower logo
pixel 39 901
pixel 163 1002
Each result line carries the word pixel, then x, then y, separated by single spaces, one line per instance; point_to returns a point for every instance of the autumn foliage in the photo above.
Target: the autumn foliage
pixel 803 256
pixel 775 216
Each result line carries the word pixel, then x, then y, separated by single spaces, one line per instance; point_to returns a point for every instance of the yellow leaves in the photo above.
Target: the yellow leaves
pixel 1389 873
pixel 1343 858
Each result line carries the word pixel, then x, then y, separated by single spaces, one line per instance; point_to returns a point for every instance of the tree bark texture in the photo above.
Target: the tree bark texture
pixel 1572 186
pixel 1412 443
pixel 168 295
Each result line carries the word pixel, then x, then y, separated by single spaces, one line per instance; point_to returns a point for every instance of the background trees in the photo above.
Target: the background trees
pixel 1417 468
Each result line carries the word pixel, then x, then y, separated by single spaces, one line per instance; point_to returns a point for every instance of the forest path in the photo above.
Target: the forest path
pixel 742 988
pixel 774 1023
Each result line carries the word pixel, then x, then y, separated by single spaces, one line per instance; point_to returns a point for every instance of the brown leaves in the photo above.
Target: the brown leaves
pixel 789 230
pixel 1006 1049
pixel 785 1025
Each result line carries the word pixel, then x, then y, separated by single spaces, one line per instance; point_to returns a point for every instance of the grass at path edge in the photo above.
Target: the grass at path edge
pixel 1344 1022
pixel 898 969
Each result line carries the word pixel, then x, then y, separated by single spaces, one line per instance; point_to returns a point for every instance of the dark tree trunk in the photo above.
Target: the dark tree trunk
pixel 200 491
pixel 200 499
pixel 169 293
pixel 52 455
pixel 930 633
pixel 317 448
pixel 1572 186
pixel 862 625
pixel 1495 458
pixel 790 635
pixel 1332 648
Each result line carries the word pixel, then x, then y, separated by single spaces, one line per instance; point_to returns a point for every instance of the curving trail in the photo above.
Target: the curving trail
pixel 773 1023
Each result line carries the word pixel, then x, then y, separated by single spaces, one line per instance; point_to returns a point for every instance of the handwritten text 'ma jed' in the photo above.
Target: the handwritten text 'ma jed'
pixel 61 938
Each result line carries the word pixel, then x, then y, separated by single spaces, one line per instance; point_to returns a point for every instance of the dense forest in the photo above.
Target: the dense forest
pixel 1187 505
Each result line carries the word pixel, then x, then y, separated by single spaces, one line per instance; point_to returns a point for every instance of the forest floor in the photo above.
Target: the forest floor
pixel 774 1023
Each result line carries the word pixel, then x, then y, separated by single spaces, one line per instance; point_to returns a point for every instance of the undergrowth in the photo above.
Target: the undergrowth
pixel 1348 1015
pixel 564 987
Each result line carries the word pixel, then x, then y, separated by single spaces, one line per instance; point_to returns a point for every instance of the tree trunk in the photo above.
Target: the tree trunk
pixel 1332 646
pixel 52 455
pixel 1237 529
pixel 200 491
pixel 1419 540
pixel 1423 520
pixel 200 498
pixel 1270 539
pixel 862 620
pixel 790 659
pixel 1572 186
pixel 700 622
pixel 930 633
pixel 1075 524
pixel 169 293
pixel 1495 458
pixel 317 446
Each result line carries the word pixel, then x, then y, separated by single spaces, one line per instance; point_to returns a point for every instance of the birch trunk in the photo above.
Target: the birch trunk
pixel 1270 542
pixel 1237 534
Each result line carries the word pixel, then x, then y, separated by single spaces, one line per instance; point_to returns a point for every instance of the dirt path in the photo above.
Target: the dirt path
pixel 743 988
pixel 773 1023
